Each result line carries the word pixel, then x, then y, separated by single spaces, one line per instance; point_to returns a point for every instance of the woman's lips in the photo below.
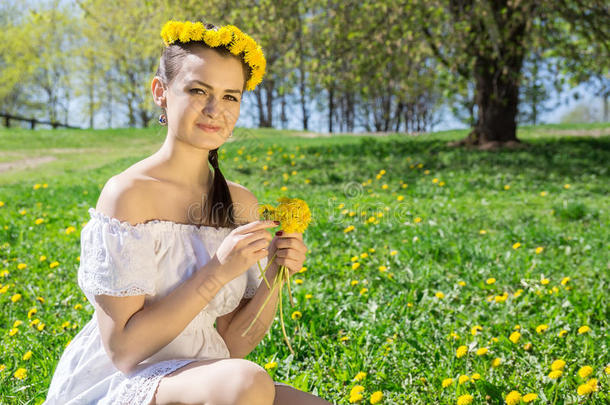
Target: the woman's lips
pixel 208 128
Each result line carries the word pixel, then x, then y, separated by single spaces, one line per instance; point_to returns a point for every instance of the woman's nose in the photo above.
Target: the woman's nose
pixel 211 107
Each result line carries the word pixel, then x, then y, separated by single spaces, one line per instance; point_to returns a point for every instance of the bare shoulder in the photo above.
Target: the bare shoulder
pixel 125 197
pixel 245 203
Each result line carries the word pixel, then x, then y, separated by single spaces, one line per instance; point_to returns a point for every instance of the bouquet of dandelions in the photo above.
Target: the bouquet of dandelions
pixel 294 216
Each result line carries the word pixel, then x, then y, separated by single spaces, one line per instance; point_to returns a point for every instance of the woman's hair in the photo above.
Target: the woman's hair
pixel 219 206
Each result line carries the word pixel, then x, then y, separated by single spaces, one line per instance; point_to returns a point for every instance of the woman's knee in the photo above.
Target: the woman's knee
pixel 217 382
pixel 253 384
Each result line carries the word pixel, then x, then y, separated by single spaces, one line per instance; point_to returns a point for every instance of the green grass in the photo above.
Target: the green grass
pixel 397 331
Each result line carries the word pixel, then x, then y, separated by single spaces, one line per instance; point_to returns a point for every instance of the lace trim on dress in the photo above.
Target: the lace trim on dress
pixel 141 387
pixel 164 223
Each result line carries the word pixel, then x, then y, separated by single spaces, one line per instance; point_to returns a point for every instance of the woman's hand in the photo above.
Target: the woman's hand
pixel 290 251
pixel 243 246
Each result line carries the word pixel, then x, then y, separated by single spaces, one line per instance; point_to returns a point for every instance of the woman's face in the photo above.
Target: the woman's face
pixel 204 98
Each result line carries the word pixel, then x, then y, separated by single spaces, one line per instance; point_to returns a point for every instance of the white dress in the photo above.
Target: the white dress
pixel 151 258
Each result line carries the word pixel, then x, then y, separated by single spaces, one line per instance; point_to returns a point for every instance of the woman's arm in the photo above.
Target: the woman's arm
pixel 239 346
pixel 132 332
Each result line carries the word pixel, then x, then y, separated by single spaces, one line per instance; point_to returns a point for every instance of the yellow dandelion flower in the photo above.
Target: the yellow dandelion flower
pixel 21 373
pixel 490 281
pixel 476 376
pixel 15 298
pixel 518 293
pixel 27 355
pixel 417 220
pixel 566 186
pixel 355 398
pixel 514 337
pixel 363 291
pixel 13 331
pixel 506 187
pixel 39 221
pixel 53 265
pixel 583 329
pixel 539 250
pixel 461 283
pixel 475 329
pixel 400 197
pixel 357 389
pixel 555 374
pixel 496 362
pixel 393 252
pixel 463 378
pixel 562 333
pixel 529 397
pixel 585 371
pixel 298 281
pixel 565 280
pixel 588 387
pixel 42 258
pixel 482 351
pixel 461 351
pixel 439 295
pixel 355 265
pixel 360 376
pixel 527 347
pixel 354 282
pixel 447 382
pixel 465 399
pixel 376 397
pixel 296 315
pixel 541 328
pixel 349 229
pixel 513 398
pixel 516 245
pixel 17 323
pixel 482 232
pixel 271 365
pixel 607 370
pixel 40 326
pixel 78 306
pixel 22 266
pixel 558 364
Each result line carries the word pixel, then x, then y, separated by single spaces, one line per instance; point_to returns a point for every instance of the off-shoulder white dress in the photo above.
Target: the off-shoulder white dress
pixel 151 258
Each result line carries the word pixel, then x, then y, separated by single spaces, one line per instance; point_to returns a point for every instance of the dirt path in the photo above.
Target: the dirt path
pixel 25 163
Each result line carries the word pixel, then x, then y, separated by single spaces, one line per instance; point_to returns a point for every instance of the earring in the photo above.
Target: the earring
pixel 163 119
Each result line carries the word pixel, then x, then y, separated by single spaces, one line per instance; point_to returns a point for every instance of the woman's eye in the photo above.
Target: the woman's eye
pixel 197 90
pixel 232 98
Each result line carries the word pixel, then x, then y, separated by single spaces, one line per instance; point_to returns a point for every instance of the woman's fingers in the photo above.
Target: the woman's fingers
pixel 291 243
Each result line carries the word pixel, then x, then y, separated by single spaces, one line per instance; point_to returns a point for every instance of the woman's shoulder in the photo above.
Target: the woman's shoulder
pixel 126 197
pixel 245 203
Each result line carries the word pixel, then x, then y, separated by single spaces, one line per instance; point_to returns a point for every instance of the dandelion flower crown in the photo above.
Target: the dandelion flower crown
pixel 229 36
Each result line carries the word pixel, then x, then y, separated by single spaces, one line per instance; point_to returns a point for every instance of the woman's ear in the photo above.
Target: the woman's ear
pixel 159 92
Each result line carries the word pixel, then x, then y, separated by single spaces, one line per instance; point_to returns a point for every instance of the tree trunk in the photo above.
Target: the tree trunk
pixel 496 97
pixel 331 110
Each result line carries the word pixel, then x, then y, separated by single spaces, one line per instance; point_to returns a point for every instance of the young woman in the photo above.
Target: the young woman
pixel 169 256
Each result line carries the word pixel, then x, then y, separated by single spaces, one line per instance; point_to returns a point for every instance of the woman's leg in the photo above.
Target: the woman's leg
pixel 216 382
pixel 286 395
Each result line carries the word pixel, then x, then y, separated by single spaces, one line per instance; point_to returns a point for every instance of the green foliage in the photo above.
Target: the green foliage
pixel 397 330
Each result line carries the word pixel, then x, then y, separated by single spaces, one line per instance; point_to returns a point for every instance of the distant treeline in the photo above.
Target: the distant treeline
pixel 374 65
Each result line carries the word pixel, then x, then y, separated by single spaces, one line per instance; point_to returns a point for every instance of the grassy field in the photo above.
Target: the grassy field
pixel 433 273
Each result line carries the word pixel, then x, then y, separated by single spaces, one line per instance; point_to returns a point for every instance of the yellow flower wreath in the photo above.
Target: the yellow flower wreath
pixel 229 36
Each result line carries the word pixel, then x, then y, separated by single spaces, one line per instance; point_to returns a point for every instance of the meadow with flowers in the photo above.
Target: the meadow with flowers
pixel 435 275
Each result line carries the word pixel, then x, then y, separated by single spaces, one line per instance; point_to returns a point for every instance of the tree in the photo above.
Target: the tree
pixel 488 41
